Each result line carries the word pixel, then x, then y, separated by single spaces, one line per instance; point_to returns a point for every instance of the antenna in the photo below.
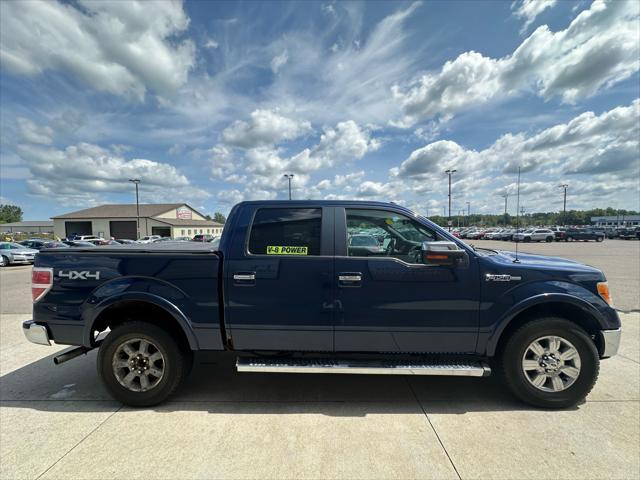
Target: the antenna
pixel 516 260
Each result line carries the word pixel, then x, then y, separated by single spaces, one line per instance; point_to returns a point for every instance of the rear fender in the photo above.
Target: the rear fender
pixel 111 293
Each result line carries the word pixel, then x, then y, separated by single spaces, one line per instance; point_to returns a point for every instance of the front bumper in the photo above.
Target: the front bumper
pixel 610 341
pixel 36 333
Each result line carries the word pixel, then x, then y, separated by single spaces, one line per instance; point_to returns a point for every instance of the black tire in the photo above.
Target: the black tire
pixel 599 239
pixel 549 239
pixel 174 362
pixel 527 239
pixel 4 261
pixel 512 372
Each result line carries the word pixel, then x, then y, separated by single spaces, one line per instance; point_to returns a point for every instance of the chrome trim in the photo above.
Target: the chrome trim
pixel 36 333
pixel 350 278
pixel 244 277
pixel 610 342
pixel 471 369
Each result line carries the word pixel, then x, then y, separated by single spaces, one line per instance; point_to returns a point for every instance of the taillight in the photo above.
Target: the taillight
pixel 605 294
pixel 41 282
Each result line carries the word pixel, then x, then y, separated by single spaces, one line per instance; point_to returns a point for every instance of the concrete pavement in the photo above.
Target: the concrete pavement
pixel 58 422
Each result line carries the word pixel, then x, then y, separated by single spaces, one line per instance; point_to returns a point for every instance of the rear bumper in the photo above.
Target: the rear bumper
pixel 36 333
pixel 610 341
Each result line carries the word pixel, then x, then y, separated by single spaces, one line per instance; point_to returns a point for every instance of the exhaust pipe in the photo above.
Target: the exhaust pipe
pixel 72 352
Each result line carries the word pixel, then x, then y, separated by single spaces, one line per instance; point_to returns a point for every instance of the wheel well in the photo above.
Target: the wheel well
pixel 127 310
pixel 553 309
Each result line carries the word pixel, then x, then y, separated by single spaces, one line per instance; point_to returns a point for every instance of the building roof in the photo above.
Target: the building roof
pixel 612 218
pixel 123 210
pixel 177 222
pixel 29 223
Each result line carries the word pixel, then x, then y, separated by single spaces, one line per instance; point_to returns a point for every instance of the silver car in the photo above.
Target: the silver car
pixel 13 253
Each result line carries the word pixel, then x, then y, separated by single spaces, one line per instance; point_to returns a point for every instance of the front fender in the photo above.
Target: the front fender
pixel 129 289
pixel 548 293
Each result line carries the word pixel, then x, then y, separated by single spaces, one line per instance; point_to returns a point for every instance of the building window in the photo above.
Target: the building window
pixel 182 232
pixel 189 232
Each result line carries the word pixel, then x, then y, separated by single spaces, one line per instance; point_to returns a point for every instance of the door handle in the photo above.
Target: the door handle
pixel 244 278
pixel 350 279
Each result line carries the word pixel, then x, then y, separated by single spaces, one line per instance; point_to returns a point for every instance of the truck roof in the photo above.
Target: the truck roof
pixel 324 203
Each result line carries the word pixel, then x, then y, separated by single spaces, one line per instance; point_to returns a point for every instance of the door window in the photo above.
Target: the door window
pixel 379 233
pixel 286 231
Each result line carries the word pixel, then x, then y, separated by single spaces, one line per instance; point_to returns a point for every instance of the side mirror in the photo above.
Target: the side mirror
pixel 444 254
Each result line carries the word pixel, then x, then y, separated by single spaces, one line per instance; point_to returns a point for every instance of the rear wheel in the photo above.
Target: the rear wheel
pixel 4 261
pixel 140 364
pixel 599 239
pixel 549 239
pixel 527 239
pixel 550 363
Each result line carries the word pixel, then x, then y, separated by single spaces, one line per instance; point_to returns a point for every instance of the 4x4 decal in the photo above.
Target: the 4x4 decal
pixel 79 275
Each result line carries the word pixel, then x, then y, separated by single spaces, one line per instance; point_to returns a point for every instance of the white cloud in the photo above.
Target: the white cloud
pixel 86 172
pixel 588 144
pixel 279 61
pixel 124 48
pixel 31 133
pixel 530 9
pixel 265 127
pixel 211 44
pixel 598 49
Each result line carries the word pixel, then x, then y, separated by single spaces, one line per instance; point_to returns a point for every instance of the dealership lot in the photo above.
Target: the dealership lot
pixel 58 422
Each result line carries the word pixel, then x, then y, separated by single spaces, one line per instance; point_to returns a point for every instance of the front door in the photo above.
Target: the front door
pixel 279 279
pixel 387 299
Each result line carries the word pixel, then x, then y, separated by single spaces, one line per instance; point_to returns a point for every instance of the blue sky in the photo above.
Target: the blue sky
pixel 212 102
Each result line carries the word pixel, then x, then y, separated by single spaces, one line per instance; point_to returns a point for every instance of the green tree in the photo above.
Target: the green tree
pixel 219 217
pixel 10 213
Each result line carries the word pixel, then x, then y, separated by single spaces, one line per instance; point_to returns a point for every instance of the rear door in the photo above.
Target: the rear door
pixel 279 291
pixel 388 300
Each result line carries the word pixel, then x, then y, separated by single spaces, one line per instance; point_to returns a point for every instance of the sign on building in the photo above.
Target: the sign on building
pixel 184 213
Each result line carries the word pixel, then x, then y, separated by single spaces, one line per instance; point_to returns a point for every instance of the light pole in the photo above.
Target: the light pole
pixel 564 203
pixel 506 197
pixel 137 181
pixel 289 176
pixel 450 172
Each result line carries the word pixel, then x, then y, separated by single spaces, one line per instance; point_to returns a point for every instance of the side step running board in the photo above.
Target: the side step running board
pixel 387 367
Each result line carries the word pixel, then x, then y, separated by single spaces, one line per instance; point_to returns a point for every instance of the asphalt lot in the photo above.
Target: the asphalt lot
pixel 58 422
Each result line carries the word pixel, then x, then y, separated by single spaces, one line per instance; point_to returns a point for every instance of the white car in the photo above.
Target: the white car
pixel 149 239
pixel 12 253
pixel 493 234
pixel 86 238
pixel 534 235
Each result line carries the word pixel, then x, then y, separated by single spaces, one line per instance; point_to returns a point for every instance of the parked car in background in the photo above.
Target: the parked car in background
pixel 364 244
pixel 182 239
pixel 583 234
pixel 493 234
pixel 55 244
pixel 84 238
pixel 14 253
pixel 628 233
pixel 203 237
pixel 149 239
pixel 535 235
pixel 125 241
pixel 78 243
pixel 558 233
pixel 34 243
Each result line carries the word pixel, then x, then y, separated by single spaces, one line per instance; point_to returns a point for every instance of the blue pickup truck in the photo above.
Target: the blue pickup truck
pixel 289 292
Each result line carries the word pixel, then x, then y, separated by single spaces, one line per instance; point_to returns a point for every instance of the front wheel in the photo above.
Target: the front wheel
pixel 549 239
pixel 140 364
pixel 599 239
pixel 550 363
pixel 4 261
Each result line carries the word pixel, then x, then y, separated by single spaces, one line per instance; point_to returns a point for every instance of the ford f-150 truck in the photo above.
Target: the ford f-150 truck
pixel 288 291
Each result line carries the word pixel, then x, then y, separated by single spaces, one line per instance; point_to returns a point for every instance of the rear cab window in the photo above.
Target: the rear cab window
pixel 286 231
